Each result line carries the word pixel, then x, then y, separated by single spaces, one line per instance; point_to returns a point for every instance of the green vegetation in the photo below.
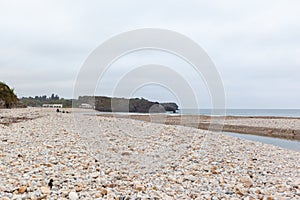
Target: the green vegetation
pixel 38 101
pixel 7 96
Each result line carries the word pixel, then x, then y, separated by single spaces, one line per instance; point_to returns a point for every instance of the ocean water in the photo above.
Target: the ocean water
pixel 243 112
pixel 284 143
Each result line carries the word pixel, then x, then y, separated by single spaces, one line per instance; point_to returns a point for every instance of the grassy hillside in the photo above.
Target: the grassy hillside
pixel 7 96
pixel 38 101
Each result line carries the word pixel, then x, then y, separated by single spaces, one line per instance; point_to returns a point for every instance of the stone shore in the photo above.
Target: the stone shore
pixel 280 127
pixel 94 157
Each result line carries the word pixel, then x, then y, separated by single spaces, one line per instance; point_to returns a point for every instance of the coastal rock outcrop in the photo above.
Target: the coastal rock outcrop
pixel 139 105
pixel 8 99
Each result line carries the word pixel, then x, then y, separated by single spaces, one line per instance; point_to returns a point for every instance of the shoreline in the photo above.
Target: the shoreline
pixel 270 126
pixel 276 127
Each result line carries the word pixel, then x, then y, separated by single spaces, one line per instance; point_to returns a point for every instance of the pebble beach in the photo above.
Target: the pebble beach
pixel 50 155
pixel 279 127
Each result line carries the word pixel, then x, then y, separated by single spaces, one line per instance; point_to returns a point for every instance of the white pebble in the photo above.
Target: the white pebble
pixel 73 196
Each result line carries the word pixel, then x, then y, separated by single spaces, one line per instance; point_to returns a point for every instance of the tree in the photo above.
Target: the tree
pixel 44 98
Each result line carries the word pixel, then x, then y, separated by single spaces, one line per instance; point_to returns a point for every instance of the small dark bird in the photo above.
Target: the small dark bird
pixel 50 184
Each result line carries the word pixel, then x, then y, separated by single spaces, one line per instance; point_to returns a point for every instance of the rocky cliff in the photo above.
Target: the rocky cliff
pixel 8 99
pixel 108 104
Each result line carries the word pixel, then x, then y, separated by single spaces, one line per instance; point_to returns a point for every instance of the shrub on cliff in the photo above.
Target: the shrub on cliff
pixel 7 96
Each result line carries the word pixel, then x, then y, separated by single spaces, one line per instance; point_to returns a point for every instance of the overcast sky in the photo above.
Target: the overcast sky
pixel 255 45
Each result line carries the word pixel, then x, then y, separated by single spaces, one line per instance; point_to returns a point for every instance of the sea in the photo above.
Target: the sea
pixel 228 112
pixel 243 112
pixel 284 143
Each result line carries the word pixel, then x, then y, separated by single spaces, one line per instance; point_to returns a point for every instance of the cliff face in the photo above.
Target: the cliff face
pixel 8 99
pixel 108 104
pixel 170 106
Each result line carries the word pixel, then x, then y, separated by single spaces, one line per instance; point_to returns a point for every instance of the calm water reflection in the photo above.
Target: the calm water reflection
pixel 288 144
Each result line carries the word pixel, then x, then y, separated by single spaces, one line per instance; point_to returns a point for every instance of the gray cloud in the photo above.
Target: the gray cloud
pixel 255 45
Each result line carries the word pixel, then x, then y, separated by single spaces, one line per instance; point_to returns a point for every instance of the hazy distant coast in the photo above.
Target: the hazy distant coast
pixel 134 105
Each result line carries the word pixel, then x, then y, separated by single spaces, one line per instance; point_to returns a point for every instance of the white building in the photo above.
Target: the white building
pixel 52 105
pixel 86 105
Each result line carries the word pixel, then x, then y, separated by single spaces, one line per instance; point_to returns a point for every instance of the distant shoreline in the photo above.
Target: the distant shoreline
pixel 243 112
pixel 271 126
